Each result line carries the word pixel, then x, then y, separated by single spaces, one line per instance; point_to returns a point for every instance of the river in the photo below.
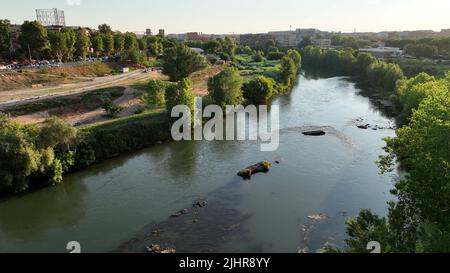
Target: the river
pixel 333 176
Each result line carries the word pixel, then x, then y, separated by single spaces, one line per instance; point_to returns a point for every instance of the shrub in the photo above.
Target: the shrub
pixel 258 90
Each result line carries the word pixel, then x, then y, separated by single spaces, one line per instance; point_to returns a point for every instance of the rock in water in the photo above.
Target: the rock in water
pixel 262 167
pixel 157 249
pixel 314 133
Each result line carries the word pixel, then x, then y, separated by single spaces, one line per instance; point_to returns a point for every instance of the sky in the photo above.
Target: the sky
pixel 241 16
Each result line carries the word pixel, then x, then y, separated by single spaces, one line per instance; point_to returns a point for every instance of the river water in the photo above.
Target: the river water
pixel 109 204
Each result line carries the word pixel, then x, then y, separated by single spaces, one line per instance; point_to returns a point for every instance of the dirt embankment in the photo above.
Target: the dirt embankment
pixel 200 79
pixel 54 76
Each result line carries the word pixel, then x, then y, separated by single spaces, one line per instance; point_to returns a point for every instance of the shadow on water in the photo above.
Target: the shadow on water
pixel 200 229
pixel 59 206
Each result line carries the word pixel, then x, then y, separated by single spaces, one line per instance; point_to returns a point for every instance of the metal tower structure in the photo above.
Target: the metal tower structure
pixel 51 17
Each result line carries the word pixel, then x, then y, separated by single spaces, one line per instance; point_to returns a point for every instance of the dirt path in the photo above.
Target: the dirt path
pixel 127 101
pixel 17 97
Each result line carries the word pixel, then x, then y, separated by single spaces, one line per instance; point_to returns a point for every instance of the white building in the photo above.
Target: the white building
pixel 383 52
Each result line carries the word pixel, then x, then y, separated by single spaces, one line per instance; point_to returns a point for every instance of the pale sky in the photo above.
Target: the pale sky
pixel 241 16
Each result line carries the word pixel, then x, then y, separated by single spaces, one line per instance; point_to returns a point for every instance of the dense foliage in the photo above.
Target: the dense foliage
pixel 419 221
pixel 258 90
pixel 154 95
pixel 31 151
pixel 226 88
pixel 180 61
pixel 373 73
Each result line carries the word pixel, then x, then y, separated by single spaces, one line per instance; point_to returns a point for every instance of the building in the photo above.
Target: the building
pixel 162 32
pixel 197 36
pixel 383 52
pixel 148 32
pixel 323 43
pixel 293 38
pixel 178 37
pixel 51 17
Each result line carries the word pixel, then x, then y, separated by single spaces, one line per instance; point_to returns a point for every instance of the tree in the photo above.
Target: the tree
pixel 258 56
pixel 71 39
pixel 33 37
pixel 226 88
pixel 5 40
pixel 82 44
pixel 305 42
pixel 180 94
pixel 419 219
pixel 97 43
pixel 229 47
pixel 384 75
pixel 108 44
pixel 119 43
pixel 413 91
pixel 258 90
pixel 288 71
pixel 154 45
pixel 296 57
pixel 130 42
pixel 155 94
pixel 142 44
pixel 180 61
pixel 30 150
pixel 105 29
pixel 56 134
pixel 58 44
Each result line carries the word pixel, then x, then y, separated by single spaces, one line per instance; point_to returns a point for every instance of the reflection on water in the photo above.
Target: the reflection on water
pixel 117 204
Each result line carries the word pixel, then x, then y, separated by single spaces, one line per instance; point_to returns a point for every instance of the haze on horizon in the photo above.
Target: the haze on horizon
pixel 242 16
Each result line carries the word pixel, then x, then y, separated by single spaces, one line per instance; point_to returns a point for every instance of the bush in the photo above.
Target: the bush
pixel 275 55
pixel 258 90
pixel 180 61
pixel 180 94
pixel 225 88
pixel 111 109
pixel 155 94
pixel 30 151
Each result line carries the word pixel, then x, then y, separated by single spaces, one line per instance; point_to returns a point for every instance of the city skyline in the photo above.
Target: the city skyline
pixel 249 16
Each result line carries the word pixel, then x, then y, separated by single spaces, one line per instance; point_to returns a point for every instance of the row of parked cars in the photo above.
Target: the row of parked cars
pixel 48 64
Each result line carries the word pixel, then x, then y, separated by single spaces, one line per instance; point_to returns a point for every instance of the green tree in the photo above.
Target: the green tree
pixel 226 88
pixel 180 61
pixel 155 94
pixel 108 44
pixel 304 43
pixel 5 40
pixel 71 39
pixel 180 94
pixel 105 29
pixel 258 90
pixel 119 43
pixel 82 44
pixel 258 56
pixel 154 45
pixel 296 57
pixel 33 37
pixel 58 44
pixel 130 41
pixel 97 43
pixel 229 47
pixel 288 71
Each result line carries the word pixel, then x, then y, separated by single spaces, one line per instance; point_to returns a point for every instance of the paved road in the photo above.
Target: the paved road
pixel 18 97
